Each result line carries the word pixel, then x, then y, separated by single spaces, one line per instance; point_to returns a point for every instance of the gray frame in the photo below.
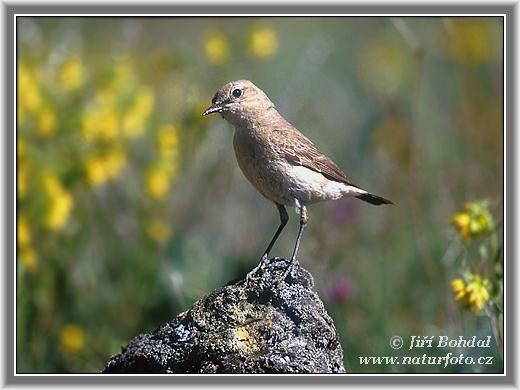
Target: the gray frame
pixel 255 8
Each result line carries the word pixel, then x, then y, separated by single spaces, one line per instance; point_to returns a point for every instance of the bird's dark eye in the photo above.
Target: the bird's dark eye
pixel 237 93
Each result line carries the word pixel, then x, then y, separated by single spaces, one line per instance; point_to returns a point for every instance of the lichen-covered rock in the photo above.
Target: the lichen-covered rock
pixel 267 325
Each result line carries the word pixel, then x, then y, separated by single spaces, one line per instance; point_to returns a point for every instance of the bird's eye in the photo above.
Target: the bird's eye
pixel 237 93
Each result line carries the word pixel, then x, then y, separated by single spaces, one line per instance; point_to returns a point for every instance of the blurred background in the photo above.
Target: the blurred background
pixel 131 205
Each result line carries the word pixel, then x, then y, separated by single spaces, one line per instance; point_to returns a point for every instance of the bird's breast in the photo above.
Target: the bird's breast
pixel 261 166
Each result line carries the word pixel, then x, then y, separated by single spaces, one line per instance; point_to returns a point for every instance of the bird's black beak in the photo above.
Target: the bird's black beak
pixel 214 108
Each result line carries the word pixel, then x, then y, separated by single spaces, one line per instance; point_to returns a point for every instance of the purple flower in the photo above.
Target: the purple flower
pixel 341 289
pixel 342 211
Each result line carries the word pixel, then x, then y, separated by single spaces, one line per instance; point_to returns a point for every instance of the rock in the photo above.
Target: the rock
pixel 267 325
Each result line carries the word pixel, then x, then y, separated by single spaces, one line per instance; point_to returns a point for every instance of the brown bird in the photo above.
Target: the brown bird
pixel 282 164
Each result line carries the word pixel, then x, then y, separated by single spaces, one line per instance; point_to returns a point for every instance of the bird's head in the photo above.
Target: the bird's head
pixel 239 101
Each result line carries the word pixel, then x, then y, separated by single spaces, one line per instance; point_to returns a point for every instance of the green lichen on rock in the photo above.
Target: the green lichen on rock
pixel 267 325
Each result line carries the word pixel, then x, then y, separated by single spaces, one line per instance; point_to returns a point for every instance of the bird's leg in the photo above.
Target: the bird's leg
pixel 303 222
pixel 283 221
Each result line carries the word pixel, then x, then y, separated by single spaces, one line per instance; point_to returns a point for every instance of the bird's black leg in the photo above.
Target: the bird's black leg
pixel 283 221
pixel 303 222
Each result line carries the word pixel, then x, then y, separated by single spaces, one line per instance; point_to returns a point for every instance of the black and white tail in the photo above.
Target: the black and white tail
pixel 374 199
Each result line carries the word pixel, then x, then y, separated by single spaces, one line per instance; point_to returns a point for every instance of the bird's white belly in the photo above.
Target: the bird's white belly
pixel 309 186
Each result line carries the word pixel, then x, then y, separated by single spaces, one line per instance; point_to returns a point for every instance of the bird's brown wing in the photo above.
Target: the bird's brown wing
pixel 299 150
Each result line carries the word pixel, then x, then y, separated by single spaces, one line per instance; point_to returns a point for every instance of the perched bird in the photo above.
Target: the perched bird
pixel 283 164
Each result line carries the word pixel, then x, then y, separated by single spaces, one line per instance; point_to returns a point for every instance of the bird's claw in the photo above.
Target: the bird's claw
pixel 292 265
pixel 260 266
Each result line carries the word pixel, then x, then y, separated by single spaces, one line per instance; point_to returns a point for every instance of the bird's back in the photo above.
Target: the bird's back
pixel 297 149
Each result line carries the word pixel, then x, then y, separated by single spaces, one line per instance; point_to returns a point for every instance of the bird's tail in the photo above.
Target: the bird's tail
pixel 374 199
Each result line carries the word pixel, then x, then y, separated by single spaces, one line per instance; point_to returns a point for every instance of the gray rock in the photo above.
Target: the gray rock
pixel 267 325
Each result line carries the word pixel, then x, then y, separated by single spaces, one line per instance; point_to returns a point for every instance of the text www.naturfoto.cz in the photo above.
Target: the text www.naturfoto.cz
pixel 447 360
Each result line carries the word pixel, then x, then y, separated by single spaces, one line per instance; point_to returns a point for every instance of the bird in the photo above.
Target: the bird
pixel 279 161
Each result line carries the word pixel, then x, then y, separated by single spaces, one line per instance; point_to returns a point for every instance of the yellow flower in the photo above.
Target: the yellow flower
pixel 24 232
pixel 167 141
pixel 100 124
pixel 28 258
pixel 134 120
pixel 469 41
pixel 459 288
pixel 263 42
pixel 72 339
pixel 461 222
pixel 473 221
pixel 157 182
pixel 59 211
pixel 384 65
pixel 72 75
pixel 47 122
pixel 216 47
pixel 29 96
pixel 102 167
pixel 60 202
pixel 100 120
pixel 95 170
pixel 159 230
pixel 473 292
pixel 477 292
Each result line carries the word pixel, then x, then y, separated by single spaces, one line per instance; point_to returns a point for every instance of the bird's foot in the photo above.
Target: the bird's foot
pixel 260 266
pixel 292 266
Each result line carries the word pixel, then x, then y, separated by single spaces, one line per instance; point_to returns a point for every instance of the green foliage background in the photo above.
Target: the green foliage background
pixel 131 205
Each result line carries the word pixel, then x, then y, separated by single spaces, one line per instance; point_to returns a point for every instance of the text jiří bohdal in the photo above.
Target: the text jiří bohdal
pixel 446 341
